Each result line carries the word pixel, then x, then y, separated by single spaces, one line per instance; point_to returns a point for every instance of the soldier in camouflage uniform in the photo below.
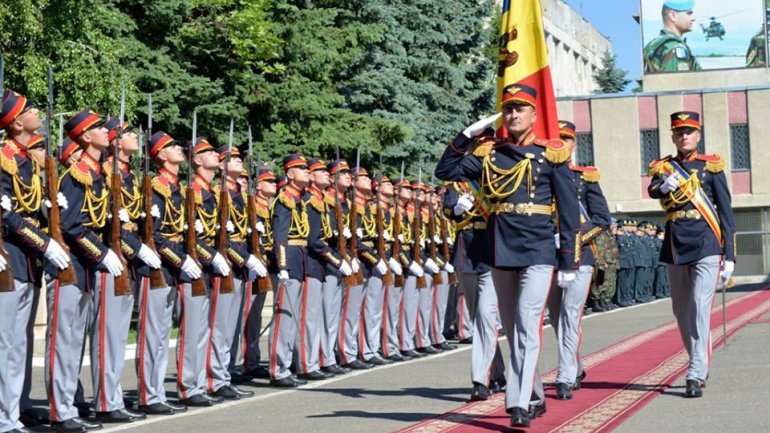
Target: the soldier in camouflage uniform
pixel 756 55
pixel 669 51
pixel 603 288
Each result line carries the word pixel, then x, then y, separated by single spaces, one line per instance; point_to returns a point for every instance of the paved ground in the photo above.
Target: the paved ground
pixel 393 397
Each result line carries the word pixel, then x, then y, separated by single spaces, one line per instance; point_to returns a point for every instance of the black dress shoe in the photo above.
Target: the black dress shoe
pixel 468 340
pixel 214 398
pixel 177 408
pixel 480 392
pixel 226 393
pixel 396 357
pixel 428 350
pixel 497 385
pixel 579 381
pixel 693 389
pixel 119 416
pixel 286 382
pixel 334 369
pixel 258 373
pixel 68 426
pixel 358 365
pixel 198 400
pixel 314 375
pixel 240 392
pixel 447 346
pixel 31 418
pixel 298 380
pixel 376 360
pixel 156 409
pixel 84 410
pixel 412 354
pixel 519 417
pixel 563 391
pixel 536 410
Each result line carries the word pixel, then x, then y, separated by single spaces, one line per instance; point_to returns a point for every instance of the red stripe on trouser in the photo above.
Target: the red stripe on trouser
pixel 52 352
pixel 212 327
pixel 580 328
pixel 540 321
pixel 180 351
pixel 245 324
pixel 401 323
pixel 102 337
pixel 461 317
pixel 276 331
pixel 303 329
pixel 385 321
pixel 434 315
pixel 341 341
pixel 141 337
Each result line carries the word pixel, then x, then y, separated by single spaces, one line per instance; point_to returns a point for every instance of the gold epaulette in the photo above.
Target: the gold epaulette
pixel 657 165
pixel 316 203
pixel 482 149
pixel 714 163
pixel 161 188
pixel 81 173
pixel 286 200
pixel 329 199
pixel 589 173
pixel 556 151
pixel 8 162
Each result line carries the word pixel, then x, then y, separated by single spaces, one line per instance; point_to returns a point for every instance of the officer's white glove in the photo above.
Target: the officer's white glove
pixel 191 269
pixel 381 267
pixel 255 265
pixel 727 270
pixel 449 268
pixel 347 233
pixel 345 269
pixel 283 277
pixel 557 241
pixel 360 232
pixel 670 184
pixel 56 255
pixel 3 263
pixel 111 261
pixel 355 265
pixel 395 266
pixel 148 256
pixel 464 204
pixel 565 278
pixel 416 269
pixel 220 265
pixel 431 266
pixel 479 127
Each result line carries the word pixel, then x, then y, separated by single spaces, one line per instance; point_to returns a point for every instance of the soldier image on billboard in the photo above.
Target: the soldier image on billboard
pixel 756 55
pixel 669 51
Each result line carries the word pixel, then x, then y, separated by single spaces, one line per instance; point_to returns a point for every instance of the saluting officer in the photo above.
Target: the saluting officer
pixel 522 177
pixel 699 245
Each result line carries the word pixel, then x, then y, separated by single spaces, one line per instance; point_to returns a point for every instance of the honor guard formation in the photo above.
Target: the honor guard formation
pixel 365 270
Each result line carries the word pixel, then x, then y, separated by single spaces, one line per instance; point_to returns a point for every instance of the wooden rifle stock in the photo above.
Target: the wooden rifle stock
pixel 387 278
pixel 66 276
pixel 226 284
pixel 354 235
pixel 122 283
pixel 437 279
pixel 453 279
pixel 397 226
pixel 191 239
pixel 157 279
pixel 6 277
pixel 264 284
pixel 417 251
pixel 342 243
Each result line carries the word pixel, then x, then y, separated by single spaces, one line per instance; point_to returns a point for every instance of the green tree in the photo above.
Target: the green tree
pixel 609 78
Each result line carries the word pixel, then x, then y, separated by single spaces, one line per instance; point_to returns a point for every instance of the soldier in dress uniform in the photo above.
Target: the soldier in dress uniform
pixel 521 177
pixel 26 244
pixel 699 245
pixel 441 292
pixel 669 51
pixel 626 268
pixel 604 285
pixel 410 297
pixel 432 269
pixel 156 304
pixel 70 152
pixel 643 262
pixel 662 289
pixel 290 232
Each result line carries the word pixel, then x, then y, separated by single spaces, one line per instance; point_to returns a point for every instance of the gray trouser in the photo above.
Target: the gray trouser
pixel 408 314
pixel 156 310
pixel 692 290
pixel 422 338
pixel 440 298
pixel 26 402
pixel 464 318
pixel 68 312
pixel 486 359
pixel 369 340
pixel 331 301
pixel 252 327
pixel 109 336
pixel 350 323
pixel 284 337
pixel 193 314
pixel 566 309
pixel 390 315
pixel 225 309
pixel 15 311
pixel 310 326
pixel 521 296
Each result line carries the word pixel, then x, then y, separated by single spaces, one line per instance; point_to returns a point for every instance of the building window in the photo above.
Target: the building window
pixel 702 142
pixel 650 147
pixel 740 155
pixel 585 148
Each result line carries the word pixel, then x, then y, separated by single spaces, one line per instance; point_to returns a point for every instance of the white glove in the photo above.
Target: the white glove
pixel 56 254
pixel 395 266
pixel 479 127
pixel 61 200
pixel 449 268
pixel 5 203
pixel 255 265
pixel 111 261
pixel 360 232
pixel 260 227
pixel 347 233
pixel 283 277
pixel 381 267
pixel 416 269
pixel 422 243
pixel 191 268
pixel 464 204
pixel 220 265
pixel 148 256
pixel 230 227
pixel 355 265
pixel 557 241
pixel 670 184
pixel 386 236
pixel 565 278
pixel 345 269
pixel 727 270
pixel 437 239
pixel 401 238
pixel 450 241
pixel 123 215
pixel 3 263
pixel 155 211
pixel 431 266
pixel 198 227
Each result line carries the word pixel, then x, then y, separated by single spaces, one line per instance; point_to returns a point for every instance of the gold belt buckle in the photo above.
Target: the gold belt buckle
pixel 692 214
pixel 520 208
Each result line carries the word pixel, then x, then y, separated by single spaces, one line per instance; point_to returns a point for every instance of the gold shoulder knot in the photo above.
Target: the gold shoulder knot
pixel 482 149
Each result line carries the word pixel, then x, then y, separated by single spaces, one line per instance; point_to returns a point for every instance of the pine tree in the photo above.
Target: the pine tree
pixel 609 78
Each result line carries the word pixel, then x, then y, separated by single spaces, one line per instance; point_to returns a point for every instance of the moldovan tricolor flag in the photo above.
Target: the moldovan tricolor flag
pixel 523 58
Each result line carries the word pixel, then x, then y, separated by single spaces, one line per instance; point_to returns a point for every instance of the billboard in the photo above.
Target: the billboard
pixel 692 35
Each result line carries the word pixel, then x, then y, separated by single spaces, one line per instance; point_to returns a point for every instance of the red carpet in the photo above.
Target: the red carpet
pixel 622 378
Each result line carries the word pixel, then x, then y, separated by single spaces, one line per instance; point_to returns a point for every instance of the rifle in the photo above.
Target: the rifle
pixel 453 278
pixel 380 221
pixel 191 238
pixel 6 277
pixel 354 218
pixel 122 283
pixel 417 251
pixel 432 251
pixel 350 280
pixel 157 279
pixel 226 284
pixel 397 228
pixel 66 276
pixel 264 284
